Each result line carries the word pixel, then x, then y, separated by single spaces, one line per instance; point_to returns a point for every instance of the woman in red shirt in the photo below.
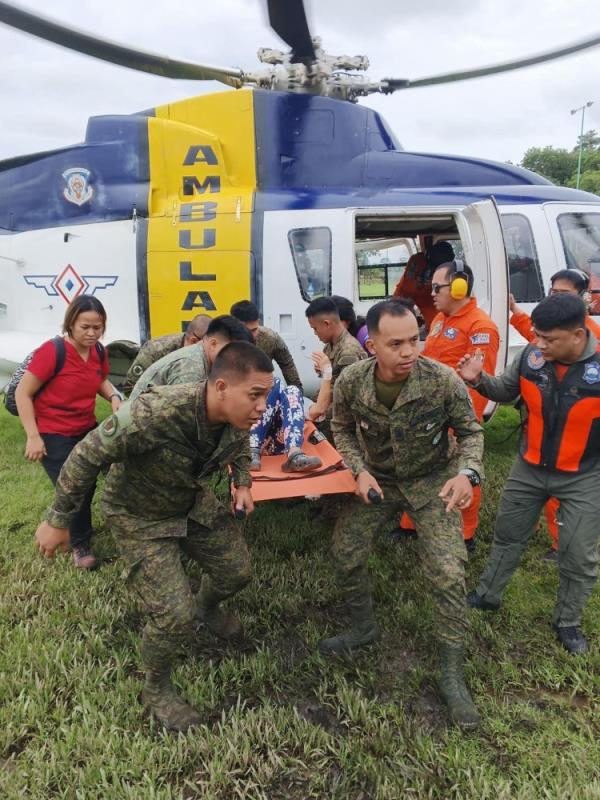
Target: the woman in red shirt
pixel 57 410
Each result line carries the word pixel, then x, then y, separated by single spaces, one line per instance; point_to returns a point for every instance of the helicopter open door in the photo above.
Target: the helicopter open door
pixel 484 250
pixel 475 232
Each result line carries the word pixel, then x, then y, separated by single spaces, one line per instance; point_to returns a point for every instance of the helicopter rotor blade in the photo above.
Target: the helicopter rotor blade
pixel 288 20
pixel 106 50
pixel 389 85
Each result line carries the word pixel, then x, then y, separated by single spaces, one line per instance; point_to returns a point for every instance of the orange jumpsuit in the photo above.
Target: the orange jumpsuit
pixel 413 285
pixel 521 322
pixel 449 339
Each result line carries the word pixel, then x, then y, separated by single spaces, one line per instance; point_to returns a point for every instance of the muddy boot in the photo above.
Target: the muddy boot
pixel 220 621
pixel 363 629
pixel 160 697
pixel 453 688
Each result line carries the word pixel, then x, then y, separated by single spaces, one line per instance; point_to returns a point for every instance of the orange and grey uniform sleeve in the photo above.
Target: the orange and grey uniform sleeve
pixel 343 426
pixel 487 340
pixel 468 431
pixel 506 387
pixel 521 322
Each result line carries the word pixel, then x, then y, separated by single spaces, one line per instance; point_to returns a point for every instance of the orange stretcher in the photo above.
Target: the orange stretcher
pixel 333 477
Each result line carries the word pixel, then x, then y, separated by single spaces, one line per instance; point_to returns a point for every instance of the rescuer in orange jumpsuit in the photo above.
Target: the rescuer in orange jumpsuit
pixel 415 282
pixel 566 281
pixel 460 328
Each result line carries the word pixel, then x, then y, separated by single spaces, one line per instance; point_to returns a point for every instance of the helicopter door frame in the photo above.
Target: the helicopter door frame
pixel 487 246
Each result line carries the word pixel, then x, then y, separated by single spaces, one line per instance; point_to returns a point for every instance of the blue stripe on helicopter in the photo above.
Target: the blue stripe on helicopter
pixel 33 188
pixel 311 152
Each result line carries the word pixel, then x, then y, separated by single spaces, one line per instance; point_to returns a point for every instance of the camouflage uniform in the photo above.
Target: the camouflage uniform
pixel 150 352
pixel 409 453
pixel 162 449
pixel 273 345
pixel 185 365
pixel 345 351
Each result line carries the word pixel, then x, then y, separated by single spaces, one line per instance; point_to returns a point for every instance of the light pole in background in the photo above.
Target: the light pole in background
pixel 574 111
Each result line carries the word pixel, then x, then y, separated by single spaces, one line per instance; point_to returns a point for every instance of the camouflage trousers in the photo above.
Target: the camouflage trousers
pixel 156 576
pixel 441 549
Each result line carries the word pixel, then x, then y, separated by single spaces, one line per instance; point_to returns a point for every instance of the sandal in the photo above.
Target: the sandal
pixel 300 462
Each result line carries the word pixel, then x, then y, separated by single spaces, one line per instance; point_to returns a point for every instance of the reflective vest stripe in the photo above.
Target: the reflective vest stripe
pixel 535 423
pixel 576 433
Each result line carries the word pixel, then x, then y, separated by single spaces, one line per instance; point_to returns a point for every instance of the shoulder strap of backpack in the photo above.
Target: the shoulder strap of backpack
pixel 60 349
pixel 100 350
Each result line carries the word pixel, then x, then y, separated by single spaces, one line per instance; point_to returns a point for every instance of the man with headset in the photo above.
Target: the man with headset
pixel 460 328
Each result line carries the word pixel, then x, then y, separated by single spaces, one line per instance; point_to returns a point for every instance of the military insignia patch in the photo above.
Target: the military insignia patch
pixel 436 329
pixel 535 359
pixel 480 338
pixel 78 190
pixel 591 372
pixel 451 334
pixel 110 426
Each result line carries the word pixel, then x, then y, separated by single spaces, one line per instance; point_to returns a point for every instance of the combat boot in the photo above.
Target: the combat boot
pixel 453 688
pixel 169 708
pixel 362 631
pixel 220 621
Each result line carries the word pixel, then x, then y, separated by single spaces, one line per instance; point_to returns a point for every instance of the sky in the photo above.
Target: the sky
pixel 47 93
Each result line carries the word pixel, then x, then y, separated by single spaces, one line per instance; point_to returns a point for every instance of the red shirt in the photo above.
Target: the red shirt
pixel 469 330
pixel 66 404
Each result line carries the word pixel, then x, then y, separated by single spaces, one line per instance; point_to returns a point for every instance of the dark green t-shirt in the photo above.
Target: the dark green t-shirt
pixel 387 393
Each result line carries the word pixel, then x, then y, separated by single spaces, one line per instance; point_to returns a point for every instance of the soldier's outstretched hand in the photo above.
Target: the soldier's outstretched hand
pixel 364 483
pixel 241 500
pixel 49 539
pixel 457 493
pixel 470 367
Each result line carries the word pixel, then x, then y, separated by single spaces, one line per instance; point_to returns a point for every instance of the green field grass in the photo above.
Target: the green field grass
pixel 282 722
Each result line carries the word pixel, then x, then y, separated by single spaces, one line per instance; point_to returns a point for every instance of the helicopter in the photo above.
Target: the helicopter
pixel 281 191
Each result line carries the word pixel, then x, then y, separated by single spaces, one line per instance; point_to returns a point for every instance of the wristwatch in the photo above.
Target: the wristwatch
pixel 118 394
pixel 472 475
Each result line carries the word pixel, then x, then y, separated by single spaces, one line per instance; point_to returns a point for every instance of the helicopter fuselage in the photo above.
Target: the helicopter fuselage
pixel 278 197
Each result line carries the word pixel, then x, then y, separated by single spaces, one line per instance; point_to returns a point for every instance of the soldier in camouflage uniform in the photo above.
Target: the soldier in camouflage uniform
pixel 341 348
pixel 192 364
pixel 154 349
pixel 391 417
pixel 162 448
pixel 269 341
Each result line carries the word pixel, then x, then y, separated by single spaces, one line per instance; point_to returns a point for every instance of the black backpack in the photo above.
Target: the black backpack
pixel 59 346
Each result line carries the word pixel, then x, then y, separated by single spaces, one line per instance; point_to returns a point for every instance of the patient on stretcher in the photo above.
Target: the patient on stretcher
pixel 281 430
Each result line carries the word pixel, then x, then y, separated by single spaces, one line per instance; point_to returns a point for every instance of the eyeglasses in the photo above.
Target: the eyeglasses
pixel 437 287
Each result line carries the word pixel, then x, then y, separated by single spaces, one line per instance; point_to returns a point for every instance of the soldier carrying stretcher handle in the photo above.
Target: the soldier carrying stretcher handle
pixel 391 417
pixel 161 449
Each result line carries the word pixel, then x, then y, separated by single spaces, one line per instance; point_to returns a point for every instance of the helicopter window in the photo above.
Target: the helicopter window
pixel 380 266
pixel 311 251
pixel 523 263
pixel 580 235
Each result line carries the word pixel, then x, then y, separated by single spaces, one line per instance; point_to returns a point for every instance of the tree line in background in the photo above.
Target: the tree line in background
pixel 560 165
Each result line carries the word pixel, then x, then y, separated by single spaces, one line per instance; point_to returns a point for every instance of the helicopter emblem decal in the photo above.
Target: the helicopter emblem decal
pixel 69 284
pixel 77 190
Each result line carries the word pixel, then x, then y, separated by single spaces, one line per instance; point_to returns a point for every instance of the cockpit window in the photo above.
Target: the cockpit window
pixel 523 263
pixel 580 235
pixel 311 251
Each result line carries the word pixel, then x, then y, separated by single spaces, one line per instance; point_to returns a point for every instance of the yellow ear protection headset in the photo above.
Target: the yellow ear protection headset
pixel 460 282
